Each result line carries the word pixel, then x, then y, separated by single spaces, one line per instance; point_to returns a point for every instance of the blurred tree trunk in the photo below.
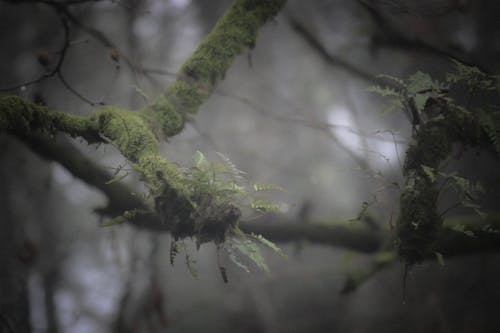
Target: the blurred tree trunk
pixel 15 254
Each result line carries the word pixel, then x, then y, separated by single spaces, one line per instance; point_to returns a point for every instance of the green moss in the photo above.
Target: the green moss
pixel 163 117
pixel 133 133
pixel 432 146
pixel 419 222
pixel 156 171
pixel 17 115
pixel 127 130
pixel 186 97
pixel 236 30
pixel 23 117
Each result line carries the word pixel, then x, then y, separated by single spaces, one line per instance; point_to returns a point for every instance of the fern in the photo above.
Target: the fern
pixel 211 185
pixel 469 192
pixel 400 82
pixel 490 122
pixel 249 249
pixel 472 77
pixel 420 82
pixel 265 206
pixel 408 94
pixel 384 91
pixel 267 187
pixel 267 243
pixel 231 167
pixel 429 172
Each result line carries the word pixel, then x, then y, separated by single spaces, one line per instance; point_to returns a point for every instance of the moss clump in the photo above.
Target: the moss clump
pixel 22 117
pixel 236 30
pixel 186 97
pixel 156 171
pixel 419 221
pixel 163 117
pixel 19 116
pixel 127 130
pixel 432 146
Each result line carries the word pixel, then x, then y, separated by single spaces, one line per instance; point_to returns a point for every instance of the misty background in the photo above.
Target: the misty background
pixel 289 112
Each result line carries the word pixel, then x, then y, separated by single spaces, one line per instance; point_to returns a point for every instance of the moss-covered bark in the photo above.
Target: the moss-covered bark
pixel 236 31
pixel 419 223
pixel 135 133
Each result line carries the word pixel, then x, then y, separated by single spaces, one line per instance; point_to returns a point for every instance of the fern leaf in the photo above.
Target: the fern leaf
pixel 472 77
pixel 394 79
pixel 250 250
pixel 429 172
pixel 268 243
pixel 199 160
pixel 267 187
pixel 384 91
pixel 265 206
pixel 238 263
pixel 235 172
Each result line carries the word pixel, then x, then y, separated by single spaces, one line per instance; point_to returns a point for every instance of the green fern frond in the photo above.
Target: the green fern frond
pixel 398 81
pixel 238 263
pixel 472 77
pixel 231 167
pixel 265 206
pixel 250 250
pixel 384 91
pixel 429 172
pixel 268 243
pixel 421 81
pixel 267 187
pixel 490 122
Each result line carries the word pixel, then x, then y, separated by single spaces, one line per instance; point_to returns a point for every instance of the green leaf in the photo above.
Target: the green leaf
pixel 384 91
pixel 420 82
pixel 199 160
pixel 267 187
pixel 231 167
pixel 238 263
pixel 250 250
pixel 126 216
pixel 429 172
pixel 472 77
pixel 268 243
pixel 265 206
pixel 394 79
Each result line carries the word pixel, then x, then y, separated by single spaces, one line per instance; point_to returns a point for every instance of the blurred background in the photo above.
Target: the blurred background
pixel 294 111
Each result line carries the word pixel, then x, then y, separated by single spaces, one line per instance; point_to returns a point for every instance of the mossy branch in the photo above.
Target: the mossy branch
pixel 419 224
pixel 135 133
pixel 236 31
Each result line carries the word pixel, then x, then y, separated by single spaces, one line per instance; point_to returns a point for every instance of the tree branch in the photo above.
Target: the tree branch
pixel 352 236
pixel 135 133
pixel 316 45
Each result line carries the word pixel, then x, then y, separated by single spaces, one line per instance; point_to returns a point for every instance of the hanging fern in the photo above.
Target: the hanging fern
pixel 490 122
pixel 214 189
pixel 471 77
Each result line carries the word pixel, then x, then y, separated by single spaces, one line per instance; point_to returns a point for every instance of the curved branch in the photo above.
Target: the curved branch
pixel 135 133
